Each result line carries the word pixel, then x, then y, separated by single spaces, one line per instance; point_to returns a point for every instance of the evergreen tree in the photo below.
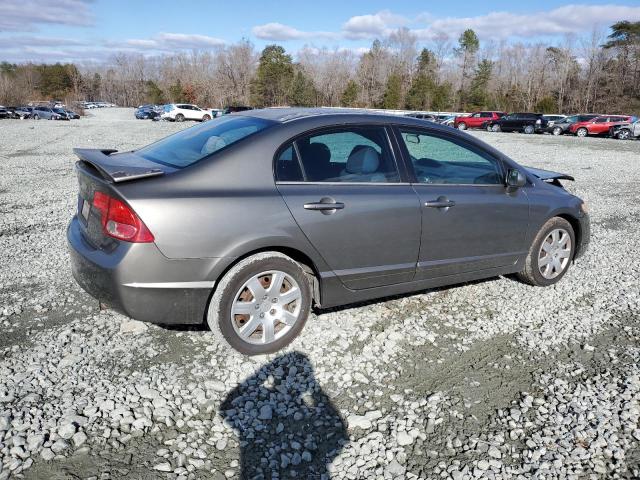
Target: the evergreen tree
pixel 154 93
pixel 423 86
pixel 392 96
pixel 350 95
pixel 478 92
pixel 468 46
pixel 273 79
pixel 303 92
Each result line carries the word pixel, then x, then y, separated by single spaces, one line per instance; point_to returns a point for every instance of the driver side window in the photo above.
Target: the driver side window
pixel 438 161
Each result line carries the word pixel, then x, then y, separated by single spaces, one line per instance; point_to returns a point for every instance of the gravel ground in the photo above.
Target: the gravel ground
pixel 492 379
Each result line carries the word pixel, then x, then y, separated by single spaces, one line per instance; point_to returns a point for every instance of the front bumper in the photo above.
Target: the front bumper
pixel 138 281
pixel 585 235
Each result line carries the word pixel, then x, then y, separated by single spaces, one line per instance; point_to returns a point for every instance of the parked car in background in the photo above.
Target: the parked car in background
pixel 180 112
pixel 235 108
pixel 448 121
pixel 4 112
pixel 552 120
pixel 23 112
pixel 519 122
pixel 45 113
pixel 476 120
pixel 560 127
pixel 62 112
pixel 627 131
pixel 602 125
pixel 250 220
pixel 422 116
pixel 148 112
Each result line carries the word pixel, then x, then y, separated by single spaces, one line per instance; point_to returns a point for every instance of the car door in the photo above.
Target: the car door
pixel 507 122
pixel 470 220
pixel 343 187
pixel 599 125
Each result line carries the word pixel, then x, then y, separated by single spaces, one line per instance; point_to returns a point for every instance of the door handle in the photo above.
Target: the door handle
pixel 324 206
pixel 441 202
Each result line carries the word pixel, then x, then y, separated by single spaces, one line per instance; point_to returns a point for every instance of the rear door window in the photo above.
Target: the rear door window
pixel 348 154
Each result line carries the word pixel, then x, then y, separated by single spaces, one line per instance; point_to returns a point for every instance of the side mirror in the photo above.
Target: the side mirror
pixel 516 179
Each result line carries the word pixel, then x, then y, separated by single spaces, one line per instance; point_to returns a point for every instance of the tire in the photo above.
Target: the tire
pixel 237 288
pixel 462 126
pixel 206 118
pixel 496 128
pixel 560 258
pixel 529 129
pixel 36 117
pixel 179 117
pixel 623 134
pixel 557 131
pixel 582 132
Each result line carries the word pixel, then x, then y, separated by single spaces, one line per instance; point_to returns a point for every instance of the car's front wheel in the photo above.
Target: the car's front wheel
pixel 206 118
pixel 179 117
pixel 528 129
pixel 462 126
pixel 623 134
pixel 261 304
pixel 496 128
pixel 550 254
pixel 557 131
pixel 582 132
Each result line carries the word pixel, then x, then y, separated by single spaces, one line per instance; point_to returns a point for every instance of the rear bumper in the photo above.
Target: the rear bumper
pixel 138 281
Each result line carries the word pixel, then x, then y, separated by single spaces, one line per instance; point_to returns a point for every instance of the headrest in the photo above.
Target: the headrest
pixel 318 153
pixel 364 159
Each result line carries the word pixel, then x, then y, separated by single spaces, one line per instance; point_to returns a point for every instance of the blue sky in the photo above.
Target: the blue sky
pixel 85 30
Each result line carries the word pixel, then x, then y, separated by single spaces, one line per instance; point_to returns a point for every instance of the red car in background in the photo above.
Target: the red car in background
pixel 602 125
pixel 477 120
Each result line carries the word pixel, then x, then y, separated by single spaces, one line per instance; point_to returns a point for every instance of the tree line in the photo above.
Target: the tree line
pixel 595 74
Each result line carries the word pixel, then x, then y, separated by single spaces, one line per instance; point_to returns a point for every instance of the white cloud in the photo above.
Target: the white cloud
pixel 371 26
pixel 570 19
pixel 23 41
pixel 279 31
pixel 170 41
pixel 25 15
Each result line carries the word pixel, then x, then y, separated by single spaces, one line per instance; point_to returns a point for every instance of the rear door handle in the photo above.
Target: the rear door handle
pixel 441 202
pixel 324 206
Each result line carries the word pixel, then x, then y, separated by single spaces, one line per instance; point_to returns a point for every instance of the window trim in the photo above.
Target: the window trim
pixel 451 138
pixel 396 156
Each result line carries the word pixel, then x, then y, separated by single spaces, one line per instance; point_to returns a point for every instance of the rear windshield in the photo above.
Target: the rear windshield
pixel 193 144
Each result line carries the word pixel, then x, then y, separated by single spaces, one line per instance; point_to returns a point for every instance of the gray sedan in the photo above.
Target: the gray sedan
pixel 247 222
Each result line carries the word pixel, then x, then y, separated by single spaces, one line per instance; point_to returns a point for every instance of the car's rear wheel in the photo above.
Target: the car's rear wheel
pixel 557 131
pixel 582 132
pixel 261 304
pixel 206 118
pixel 528 129
pixel 462 126
pixel 550 254
pixel 179 117
pixel 36 117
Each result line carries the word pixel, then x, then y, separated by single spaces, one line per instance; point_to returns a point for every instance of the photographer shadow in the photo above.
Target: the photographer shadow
pixel 286 425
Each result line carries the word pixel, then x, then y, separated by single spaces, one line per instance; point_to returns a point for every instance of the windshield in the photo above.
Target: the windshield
pixel 193 144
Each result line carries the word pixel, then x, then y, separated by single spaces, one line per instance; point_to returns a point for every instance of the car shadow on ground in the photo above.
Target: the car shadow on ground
pixel 284 421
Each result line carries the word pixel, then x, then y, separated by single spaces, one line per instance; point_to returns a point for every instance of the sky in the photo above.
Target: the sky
pixel 94 30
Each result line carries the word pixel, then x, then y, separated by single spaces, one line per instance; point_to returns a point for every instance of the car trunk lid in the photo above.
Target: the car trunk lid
pixel 102 171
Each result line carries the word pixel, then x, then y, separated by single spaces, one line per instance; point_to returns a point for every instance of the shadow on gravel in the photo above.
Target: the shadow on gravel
pixel 284 421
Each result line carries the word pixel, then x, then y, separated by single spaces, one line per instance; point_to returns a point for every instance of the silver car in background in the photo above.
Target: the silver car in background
pixel 248 221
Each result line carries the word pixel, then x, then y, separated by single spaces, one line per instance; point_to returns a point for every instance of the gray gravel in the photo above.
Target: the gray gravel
pixel 492 379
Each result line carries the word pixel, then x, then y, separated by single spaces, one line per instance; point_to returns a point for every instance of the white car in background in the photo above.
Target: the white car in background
pixel 180 112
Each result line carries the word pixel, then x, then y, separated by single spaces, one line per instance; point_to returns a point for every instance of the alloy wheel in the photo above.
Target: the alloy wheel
pixel 557 131
pixel 266 307
pixel 582 132
pixel 555 253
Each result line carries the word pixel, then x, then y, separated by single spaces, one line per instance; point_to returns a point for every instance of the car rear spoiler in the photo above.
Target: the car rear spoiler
pixel 116 169
pixel 548 175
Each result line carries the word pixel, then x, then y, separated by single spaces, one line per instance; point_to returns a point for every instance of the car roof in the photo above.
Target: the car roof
pixel 350 115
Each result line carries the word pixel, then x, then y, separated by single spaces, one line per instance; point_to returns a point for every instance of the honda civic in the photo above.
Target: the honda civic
pixel 248 222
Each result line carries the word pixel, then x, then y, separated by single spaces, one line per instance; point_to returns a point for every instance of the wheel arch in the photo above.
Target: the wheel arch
pixel 577 231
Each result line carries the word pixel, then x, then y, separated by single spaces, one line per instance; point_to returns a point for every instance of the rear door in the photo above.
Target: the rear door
pixel 470 220
pixel 344 189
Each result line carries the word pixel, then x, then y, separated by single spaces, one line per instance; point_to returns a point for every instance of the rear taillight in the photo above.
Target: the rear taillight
pixel 119 220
